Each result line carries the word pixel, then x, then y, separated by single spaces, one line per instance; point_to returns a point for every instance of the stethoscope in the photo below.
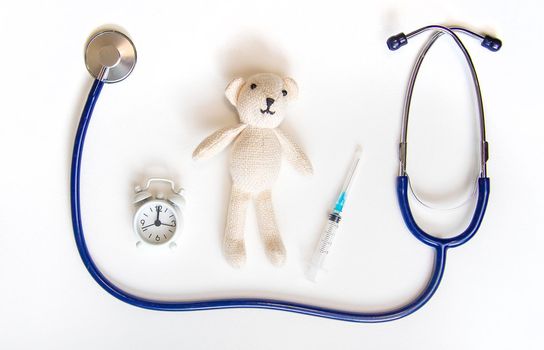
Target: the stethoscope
pixel 110 57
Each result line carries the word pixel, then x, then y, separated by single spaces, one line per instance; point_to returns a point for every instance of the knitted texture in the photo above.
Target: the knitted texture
pixel 217 141
pixel 234 246
pixel 294 154
pixel 256 159
pixel 269 230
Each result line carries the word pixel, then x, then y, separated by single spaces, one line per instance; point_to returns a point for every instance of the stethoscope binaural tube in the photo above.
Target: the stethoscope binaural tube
pixel 106 284
pixel 397 41
pixel 492 44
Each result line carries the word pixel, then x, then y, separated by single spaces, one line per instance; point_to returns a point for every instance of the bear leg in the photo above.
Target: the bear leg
pixel 233 244
pixel 269 230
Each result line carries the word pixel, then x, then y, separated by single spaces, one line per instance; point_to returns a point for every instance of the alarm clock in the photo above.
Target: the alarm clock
pixel 158 219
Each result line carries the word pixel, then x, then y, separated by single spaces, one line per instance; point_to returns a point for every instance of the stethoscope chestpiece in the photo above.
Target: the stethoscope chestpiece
pixel 110 56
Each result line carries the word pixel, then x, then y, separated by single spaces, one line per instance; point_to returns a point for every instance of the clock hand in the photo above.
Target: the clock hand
pixel 153 224
pixel 168 225
pixel 158 208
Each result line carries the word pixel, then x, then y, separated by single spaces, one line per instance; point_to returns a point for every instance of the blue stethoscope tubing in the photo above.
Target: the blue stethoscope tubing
pixel 438 270
pixel 440 246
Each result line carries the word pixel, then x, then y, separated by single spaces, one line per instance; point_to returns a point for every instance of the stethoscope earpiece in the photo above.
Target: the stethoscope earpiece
pixel 395 42
pixel 491 43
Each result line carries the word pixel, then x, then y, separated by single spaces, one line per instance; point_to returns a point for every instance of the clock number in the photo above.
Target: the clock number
pixel 157 238
pixel 174 223
pixel 142 222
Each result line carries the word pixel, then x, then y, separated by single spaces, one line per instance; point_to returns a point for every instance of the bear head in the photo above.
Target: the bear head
pixel 261 99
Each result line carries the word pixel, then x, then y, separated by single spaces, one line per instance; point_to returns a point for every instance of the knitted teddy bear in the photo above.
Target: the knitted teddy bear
pixel 259 144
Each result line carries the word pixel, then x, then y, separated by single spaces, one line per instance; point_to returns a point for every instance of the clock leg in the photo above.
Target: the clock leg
pixel 268 227
pixel 233 245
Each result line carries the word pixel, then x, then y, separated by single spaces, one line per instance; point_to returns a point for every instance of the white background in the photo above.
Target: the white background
pixel 351 91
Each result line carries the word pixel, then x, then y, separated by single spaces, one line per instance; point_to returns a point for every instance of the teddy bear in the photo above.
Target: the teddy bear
pixel 259 146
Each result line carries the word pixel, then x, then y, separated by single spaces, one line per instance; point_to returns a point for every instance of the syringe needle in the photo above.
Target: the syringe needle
pixel 339 206
pixel 353 170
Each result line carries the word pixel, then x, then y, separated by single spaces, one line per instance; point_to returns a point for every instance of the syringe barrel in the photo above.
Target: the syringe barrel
pixel 327 237
pixel 325 242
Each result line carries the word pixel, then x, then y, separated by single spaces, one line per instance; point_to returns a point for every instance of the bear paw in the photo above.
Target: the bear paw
pixel 235 252
pixel 275 251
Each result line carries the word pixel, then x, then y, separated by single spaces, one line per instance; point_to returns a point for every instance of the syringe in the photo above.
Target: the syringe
pixel 327 237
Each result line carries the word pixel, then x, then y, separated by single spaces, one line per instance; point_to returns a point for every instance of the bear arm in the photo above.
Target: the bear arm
pixel 217 141
pixel 294 154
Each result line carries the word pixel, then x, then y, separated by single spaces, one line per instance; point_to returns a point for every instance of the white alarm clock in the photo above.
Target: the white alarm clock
pixel 158 219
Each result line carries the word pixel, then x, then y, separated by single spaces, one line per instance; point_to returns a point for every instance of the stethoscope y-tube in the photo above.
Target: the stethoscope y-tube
pixel 116 65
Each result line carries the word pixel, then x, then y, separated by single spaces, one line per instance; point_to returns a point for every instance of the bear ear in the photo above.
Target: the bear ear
pixel 292 87
pixel 233 89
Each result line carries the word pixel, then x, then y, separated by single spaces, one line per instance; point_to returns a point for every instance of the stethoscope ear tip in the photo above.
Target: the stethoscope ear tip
pixel 110 55
pixel 491 43
pixel 397 41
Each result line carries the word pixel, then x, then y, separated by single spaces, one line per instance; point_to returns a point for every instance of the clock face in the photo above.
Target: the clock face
pixel 156 222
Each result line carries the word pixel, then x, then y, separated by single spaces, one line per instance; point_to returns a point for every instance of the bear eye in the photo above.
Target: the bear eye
pixel 253 86
pixel 284 92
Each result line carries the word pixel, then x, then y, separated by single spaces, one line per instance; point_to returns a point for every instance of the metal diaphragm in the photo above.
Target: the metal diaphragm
pixel 110 56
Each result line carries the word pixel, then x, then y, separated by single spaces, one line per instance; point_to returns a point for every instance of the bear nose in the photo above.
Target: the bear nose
pixel 269 101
